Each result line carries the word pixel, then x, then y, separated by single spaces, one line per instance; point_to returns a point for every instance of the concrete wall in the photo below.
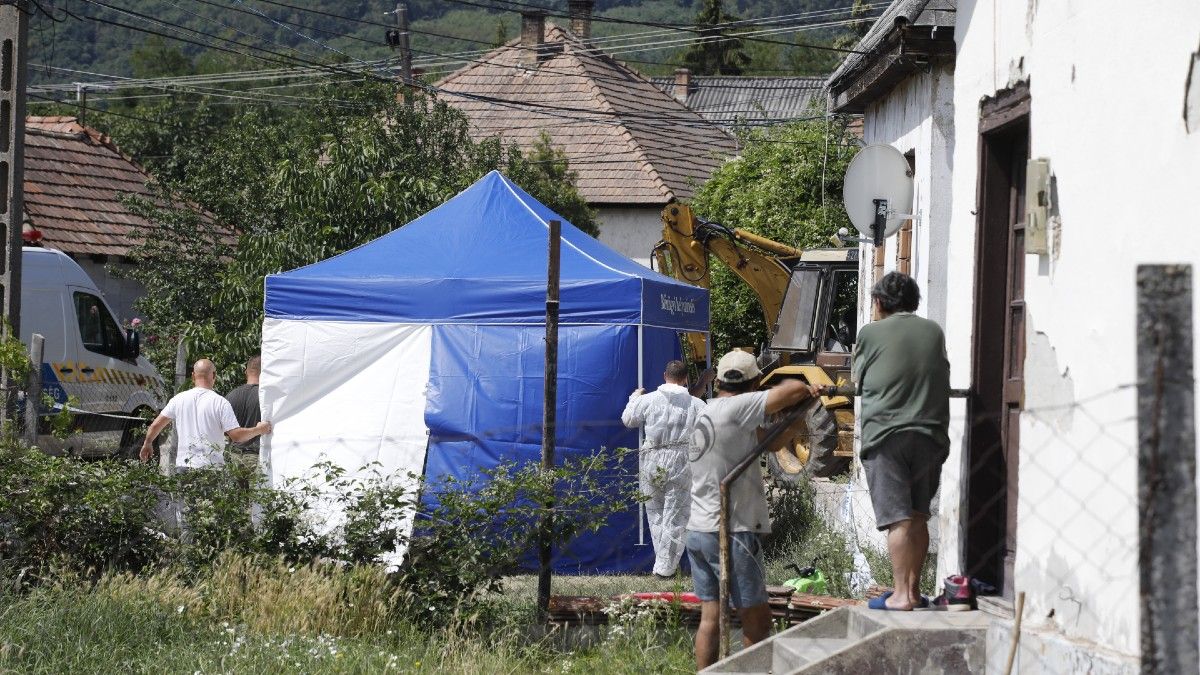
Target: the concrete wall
pixel 1109 91
pixel 632 231
pixel 120 292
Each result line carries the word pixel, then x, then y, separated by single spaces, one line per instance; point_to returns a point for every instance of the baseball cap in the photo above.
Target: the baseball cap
pixel 737 366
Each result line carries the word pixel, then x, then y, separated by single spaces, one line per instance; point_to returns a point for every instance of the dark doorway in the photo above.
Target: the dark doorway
pixel 998 350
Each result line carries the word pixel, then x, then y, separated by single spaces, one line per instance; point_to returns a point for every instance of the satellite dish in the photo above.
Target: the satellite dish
pixel 878 191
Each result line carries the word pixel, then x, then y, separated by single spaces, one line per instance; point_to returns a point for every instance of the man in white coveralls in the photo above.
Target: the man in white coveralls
pixel 668 416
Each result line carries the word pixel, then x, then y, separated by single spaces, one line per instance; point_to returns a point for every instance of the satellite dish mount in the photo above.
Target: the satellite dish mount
pixel 878 194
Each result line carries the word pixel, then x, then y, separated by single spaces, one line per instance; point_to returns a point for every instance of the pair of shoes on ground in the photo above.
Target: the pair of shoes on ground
pixel 958 595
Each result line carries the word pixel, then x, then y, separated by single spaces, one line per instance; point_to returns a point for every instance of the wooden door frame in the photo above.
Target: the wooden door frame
pixel 985 538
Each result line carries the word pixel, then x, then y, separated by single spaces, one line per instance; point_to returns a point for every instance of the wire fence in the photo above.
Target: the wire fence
pixel 1060 547
pixel 1062 551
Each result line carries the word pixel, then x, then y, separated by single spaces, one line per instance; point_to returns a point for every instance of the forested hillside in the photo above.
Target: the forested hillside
pixel 104 36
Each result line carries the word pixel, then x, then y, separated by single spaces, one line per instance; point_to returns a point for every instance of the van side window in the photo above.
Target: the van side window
pixel 100 334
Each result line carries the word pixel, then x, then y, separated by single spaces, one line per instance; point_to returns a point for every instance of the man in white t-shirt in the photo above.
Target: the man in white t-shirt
pixel 726 433
pixel 203 418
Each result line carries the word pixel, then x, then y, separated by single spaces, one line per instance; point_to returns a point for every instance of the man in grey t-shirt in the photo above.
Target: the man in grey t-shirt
pixel 726 433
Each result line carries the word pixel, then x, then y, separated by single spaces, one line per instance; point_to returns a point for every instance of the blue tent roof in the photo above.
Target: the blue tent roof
pixel 480 258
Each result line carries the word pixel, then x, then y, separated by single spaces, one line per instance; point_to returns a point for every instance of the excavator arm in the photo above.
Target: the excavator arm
pixel 687 242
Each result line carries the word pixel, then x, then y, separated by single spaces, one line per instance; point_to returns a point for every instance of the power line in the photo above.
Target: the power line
pixel 701 31
pixel 649 120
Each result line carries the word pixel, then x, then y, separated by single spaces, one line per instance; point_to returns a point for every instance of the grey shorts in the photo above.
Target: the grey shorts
pixel 748 581
pixel 903 474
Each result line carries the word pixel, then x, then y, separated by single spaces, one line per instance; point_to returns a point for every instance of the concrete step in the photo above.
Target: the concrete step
pixel 792 654
pixel 856 640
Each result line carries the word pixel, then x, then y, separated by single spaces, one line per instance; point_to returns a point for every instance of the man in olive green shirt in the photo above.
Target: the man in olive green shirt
pixel 902 379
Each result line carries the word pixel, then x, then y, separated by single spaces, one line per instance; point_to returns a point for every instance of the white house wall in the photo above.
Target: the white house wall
pixel 631 231
pixel 1108 85
pixel 916 116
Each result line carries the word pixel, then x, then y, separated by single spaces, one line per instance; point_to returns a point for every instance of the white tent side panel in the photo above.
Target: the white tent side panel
pixel 343 392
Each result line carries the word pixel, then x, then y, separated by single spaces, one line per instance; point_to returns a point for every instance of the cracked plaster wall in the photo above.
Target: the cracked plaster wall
pixel 1106 85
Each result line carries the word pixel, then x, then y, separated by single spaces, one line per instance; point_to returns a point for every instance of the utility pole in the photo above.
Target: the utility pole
pixel 14 29
pixel 405 49
pixel 549 419
pixel 398 39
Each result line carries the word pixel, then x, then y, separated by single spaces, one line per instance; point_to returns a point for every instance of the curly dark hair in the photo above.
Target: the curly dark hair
pixel 897 292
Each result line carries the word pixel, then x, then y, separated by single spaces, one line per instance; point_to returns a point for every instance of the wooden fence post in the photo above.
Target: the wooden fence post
pixel 1166 404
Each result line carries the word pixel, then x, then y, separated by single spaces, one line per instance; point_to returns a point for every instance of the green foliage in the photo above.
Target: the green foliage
pixel 786 185
pixel 713 56
pixel 156 58
pixel 800 536
pixel 298 187
pixel 13 355
pixel 97 515
pixel 62 423
pixel 118 516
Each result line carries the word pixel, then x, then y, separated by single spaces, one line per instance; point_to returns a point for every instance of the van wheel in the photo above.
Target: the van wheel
pixel 810 451
pixel 133 435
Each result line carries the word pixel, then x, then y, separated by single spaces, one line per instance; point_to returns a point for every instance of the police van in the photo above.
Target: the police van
pixel 89 360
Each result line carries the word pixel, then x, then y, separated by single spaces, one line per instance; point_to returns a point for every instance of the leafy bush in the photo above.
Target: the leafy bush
pixel 116 516
pixel 97 515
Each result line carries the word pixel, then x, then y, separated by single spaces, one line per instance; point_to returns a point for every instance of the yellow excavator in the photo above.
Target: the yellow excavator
pixel 809 300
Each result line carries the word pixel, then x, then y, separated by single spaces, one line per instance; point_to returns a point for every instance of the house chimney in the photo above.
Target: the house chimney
pixel 683 82
pixel 581 18
pixel 533 37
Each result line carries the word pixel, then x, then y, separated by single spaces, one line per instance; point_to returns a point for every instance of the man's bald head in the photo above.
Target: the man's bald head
pixel 204 373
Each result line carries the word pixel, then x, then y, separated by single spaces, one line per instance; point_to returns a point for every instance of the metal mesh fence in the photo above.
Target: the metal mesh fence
pixel 1057 552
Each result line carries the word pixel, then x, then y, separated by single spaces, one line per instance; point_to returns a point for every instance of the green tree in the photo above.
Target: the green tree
pixel 785 186
pixel 155 58
pixel 292 187
pixel 501 34
pixel 716 51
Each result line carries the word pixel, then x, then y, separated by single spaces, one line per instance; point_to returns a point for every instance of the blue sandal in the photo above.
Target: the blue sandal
pixel 881 603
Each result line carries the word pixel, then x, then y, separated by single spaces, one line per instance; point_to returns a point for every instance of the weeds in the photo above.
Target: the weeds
pixel 801 537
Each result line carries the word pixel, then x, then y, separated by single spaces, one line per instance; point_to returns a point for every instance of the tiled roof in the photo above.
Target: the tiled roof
pixel 629 142
pixel 74 180
pixel 728 100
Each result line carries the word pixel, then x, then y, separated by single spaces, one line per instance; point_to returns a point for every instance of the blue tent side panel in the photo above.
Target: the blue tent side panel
pixel 480 418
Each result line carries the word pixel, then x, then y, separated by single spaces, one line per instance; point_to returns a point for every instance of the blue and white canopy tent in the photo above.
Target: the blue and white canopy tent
pixel 423 351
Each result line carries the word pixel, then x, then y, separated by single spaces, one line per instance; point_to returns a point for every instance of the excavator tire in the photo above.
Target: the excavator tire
pixel 809 450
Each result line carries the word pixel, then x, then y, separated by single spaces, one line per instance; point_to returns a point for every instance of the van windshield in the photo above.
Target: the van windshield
pixel 99 332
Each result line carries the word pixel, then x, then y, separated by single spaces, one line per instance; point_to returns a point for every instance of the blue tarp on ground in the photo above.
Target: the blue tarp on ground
pixel 475 270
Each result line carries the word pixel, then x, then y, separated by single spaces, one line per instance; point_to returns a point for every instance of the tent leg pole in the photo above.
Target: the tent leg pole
pixel 641 383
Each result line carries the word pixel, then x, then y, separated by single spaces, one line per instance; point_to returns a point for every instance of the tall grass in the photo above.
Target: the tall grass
pixel 252 615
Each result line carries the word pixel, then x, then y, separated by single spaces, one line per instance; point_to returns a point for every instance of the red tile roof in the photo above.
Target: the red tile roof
pixel 74 180
pixel 628 141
